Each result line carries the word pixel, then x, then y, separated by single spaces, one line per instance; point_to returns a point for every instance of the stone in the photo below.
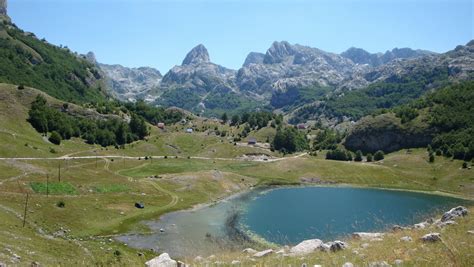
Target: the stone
pixel 348 264
pixel 399 228
pixel 263 253
pixel 431 237
pixel 235 262
pixel 470 232
pixel 317 265
pixel 365 245
pixel 249 251
pixel 306 247
pixel 281 251
pixel 379 264
pixel 163 260
pixel 333 246
pixel 442 224
pixel 454 213
pixel 406 239
pixel 398 262
pixel 421 225
pixel 367 236
pixel 198 259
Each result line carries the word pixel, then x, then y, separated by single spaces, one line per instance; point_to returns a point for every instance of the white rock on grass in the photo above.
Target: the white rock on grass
pixel 431 237
pixel 379 264
pixel 406 239
pixel 348 264
pixel 442 224
pixel 306 247
pixel 163 260
pixel 333 246
pixel 398 262
pixel 263 253
pixel 198 259
pixel 470 232
pixel 421 225
pixel 367 236
pixel 249 251
pixel 235 262
pixel 454 213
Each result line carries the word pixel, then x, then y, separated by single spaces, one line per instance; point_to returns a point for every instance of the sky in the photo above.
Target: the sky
pixel 159 33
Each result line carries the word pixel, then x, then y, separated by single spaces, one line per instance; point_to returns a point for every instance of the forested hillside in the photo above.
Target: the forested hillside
pixel 26 60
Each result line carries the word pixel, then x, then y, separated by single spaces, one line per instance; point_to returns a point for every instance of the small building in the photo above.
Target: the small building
pixel 189 130
pixel 161 125
pixel 302 126
pixel 252 141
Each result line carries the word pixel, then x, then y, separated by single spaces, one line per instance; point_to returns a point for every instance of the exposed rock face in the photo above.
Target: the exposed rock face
pixel 254 58
pixel 197 72
pixel 306 247
pixel 197 55
pixel 3 7
pixel 367 236
pixel 385 132
pixel 285 65
pixel 163 260
pixel 360 56
pixel 130 84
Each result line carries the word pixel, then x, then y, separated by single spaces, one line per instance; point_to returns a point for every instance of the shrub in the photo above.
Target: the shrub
pixel 379 155
pixel 21 87
pixel 464 165
pixel 60 204
pixel 369 157
pixel 431 158
pixel 358 156
pixel 55 138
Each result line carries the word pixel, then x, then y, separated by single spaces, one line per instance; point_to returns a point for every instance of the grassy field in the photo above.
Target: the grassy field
pixel 99 194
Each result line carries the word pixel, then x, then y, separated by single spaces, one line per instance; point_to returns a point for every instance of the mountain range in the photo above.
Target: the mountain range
pixel 287 76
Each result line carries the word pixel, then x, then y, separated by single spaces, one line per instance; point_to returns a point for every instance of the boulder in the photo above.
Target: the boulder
pixel 442 224
pixel 306 247
pixel 470 232
pixel 406 239
pixel 198 259
pixel 235 262
pixel 333 246
pixel 431 237
pixel 398 262
pixel 379 264
pixel 163 260
pixel 399 228
pixel 263 253
pixel 249 251
pixel 422 225
pixel 348 264
pixel 454 213
pixel 367 236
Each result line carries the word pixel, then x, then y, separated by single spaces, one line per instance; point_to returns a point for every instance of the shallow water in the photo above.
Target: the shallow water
pixel 286 216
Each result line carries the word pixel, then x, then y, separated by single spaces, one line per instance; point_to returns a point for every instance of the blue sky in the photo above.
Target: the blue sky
pixel 159 33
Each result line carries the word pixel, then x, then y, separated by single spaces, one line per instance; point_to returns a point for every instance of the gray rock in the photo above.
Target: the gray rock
pixel 442 224
pixel 235 262
pixel 406 239
pixel 365 245
pixel 398 262
pixel 454 213
pixel 306 247
pixel 3 7
pixel 263 253
pixel 198 259
pixel 379 264
pixel 348 264
pixel 367 236
pixel 431 237
pixel 333 246
pixel 254 58
pixel 197 55
pixel 163 260
pixel 249 251
pixel 470 232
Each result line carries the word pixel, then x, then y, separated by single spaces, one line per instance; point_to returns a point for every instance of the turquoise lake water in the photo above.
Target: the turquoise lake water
pixel 286 216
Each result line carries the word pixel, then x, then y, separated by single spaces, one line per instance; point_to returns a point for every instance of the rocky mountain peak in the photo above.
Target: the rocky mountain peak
pixel 197 55
pixel 90 56
pixel 254 58
pixel 3 7
pixel 278 52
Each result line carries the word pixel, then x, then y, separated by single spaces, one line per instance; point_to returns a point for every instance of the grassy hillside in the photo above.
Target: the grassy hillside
pixel 28 61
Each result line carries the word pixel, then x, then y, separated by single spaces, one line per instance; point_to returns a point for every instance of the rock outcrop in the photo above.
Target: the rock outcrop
pixel 367 236
pixel 360 56
pixel 253 58
pixel 197 55
pixel 263 253
pixel 306 247
pixel 3 7
pixel 431 237
pixel 454 213
pixel 130 84
pixel 163 260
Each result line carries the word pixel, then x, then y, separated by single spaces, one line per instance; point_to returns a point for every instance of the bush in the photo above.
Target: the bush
pixel 60 204
pixel 358 156
pixel 369 157
pixel 431 158
pixel 379 155
pixel 55 138
pixel 464 165
pixel 21 87
pixel 339 154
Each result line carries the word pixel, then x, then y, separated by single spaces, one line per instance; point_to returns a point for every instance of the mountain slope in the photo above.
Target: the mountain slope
pixel 55 70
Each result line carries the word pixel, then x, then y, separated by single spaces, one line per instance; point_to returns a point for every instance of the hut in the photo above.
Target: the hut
pixel 252 141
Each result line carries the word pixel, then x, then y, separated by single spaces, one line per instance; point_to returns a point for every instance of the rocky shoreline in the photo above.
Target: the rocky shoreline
pixel 310 246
